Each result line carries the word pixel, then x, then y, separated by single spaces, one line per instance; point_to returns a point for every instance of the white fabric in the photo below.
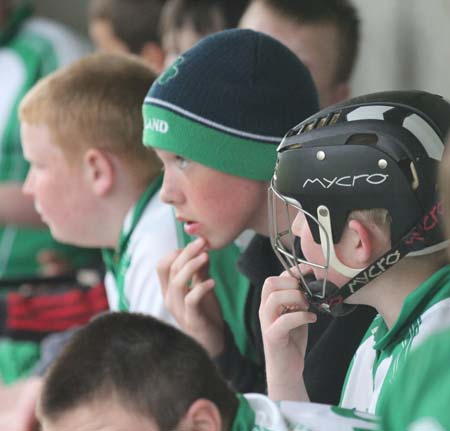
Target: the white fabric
pixel 297 416
pixel 153 238
pixel 363 388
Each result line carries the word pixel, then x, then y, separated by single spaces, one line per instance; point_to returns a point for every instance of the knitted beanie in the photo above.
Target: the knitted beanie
pixel 228 101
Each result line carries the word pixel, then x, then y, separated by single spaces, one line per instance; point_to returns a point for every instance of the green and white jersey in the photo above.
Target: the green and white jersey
pixel 148 234
pixel 383 352
pixel 258 413
pixel 418 399
pixel 30 48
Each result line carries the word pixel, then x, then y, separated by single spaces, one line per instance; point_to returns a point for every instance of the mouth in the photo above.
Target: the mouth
pixel 191 227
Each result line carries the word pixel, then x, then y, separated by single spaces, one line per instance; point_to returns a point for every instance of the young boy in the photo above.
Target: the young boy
pixel 31 47
pixel 92 181
pixel 184 22
pixel 361 177
pixel 132 372
pixel 214 121
pixel 129 26
pixel 324 34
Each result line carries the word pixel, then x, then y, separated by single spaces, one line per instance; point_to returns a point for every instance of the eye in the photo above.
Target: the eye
pixel 181 162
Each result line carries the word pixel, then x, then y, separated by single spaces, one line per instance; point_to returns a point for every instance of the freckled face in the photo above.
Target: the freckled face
pixel 212 204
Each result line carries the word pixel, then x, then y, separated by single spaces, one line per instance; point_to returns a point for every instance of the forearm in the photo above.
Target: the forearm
pixel 16 208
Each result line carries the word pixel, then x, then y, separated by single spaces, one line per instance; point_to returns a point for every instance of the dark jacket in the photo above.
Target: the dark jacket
pixel 331 341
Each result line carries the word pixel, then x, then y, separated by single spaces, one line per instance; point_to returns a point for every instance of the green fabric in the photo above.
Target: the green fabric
pixel 19 246
pixel 396 343
pixel 231 289
pixel 245 416
pixel 16 19
pixel 419 396
pixel 17 359
pixel 118 261
pixel 222 151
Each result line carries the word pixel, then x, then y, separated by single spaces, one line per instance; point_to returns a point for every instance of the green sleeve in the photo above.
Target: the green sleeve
pixel 419 396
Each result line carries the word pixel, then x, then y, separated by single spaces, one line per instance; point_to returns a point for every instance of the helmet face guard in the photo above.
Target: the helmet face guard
pixel 379 151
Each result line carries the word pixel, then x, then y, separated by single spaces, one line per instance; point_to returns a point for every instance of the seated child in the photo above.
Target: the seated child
pixel 132 372
pixel 128 26
pixel 359 181
pixel 215 122
pixel 92 180
pixel 184 22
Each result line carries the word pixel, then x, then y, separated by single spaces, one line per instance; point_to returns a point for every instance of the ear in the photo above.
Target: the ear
pixel 203 415
pixel 99 169
pixel 359 244
pixel 154 56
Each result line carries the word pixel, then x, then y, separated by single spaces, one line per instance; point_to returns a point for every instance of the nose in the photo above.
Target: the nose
pixel 298 224
pixel 171 192
pixel 28 185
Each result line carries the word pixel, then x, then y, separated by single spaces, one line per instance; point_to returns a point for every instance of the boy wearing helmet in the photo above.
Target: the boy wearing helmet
pixel 358 181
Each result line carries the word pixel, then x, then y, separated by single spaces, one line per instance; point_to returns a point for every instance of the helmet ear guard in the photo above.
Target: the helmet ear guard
pixel 376 151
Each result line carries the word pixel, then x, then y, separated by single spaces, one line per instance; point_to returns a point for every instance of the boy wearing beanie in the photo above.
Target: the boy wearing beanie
pixel 215 117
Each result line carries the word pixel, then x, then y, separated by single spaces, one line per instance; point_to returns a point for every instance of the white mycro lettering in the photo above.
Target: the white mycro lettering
pixel 347 180
pixel 157 125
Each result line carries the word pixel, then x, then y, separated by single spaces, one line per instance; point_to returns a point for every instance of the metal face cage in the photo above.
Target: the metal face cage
pixel 286 245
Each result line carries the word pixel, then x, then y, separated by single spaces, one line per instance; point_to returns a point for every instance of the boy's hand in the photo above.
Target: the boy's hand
pixel 18 405
pixel 284 318
pixel 188 294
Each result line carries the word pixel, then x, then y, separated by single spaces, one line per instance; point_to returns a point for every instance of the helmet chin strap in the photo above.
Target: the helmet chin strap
pixel 327 243
pixel 416 239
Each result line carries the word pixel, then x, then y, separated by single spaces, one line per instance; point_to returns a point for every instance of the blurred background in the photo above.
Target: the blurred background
pixel 404 43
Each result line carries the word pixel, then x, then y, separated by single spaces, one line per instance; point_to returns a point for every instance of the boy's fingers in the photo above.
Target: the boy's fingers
pixel 273 284
pixel 188 253
pixel 281 301
pixel 195 296
pixel 163 269
pixel 289 321
pixel 180 280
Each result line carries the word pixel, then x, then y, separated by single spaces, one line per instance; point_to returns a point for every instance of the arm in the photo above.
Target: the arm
pixel 188 294
pixel 284 320
pixel 16 208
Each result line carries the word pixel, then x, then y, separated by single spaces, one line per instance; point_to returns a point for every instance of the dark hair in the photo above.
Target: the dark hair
pixel 154 369
pixel 133 21
pixel 340 13
pixel 205 16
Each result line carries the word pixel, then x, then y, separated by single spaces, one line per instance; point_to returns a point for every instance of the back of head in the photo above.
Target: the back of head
pixel 153 369
pixel 203 16
pixel 185 22
pixel 135 22
pixel 379 151
pixel 95 102
pixel 339 13
pixel 226 102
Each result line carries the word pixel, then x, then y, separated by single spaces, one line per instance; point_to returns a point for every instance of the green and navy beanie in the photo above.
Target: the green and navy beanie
pixel 228 101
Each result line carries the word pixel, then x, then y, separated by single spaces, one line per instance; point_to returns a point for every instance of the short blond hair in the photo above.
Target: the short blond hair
pixel 379 217
pixel 96 103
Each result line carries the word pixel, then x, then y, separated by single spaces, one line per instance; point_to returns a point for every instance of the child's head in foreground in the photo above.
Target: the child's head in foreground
pixel 82 135
pixel 132 372
pixel 360 179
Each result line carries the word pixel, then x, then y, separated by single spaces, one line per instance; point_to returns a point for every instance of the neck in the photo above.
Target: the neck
pixel 118 210
pixel 388 292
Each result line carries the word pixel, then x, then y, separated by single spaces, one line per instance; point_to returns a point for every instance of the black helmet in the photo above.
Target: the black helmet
pixel 382 151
